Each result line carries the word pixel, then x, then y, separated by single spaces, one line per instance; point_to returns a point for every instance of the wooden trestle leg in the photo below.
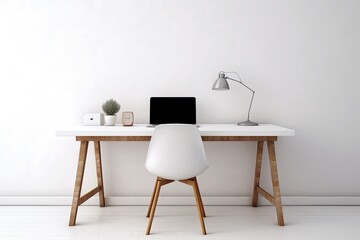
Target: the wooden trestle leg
pixel 275 182
pixel 77 198
pixel 78 181
pixel 276 199
pixel 99 173
pixel 259 155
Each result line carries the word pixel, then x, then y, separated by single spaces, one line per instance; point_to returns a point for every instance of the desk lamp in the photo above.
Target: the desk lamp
pixel 222 85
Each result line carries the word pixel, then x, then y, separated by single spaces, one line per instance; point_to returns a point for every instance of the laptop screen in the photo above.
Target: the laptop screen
pixel 172 110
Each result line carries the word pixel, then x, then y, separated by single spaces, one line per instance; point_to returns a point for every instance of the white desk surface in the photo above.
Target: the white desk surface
pixel 205 130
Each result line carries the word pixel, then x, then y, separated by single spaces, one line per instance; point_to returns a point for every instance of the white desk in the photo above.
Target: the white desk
pixel 209 132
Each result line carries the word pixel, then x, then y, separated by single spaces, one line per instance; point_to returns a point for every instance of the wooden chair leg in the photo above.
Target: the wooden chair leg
pixel 199 206
pixel 153 206
pixel 259 155
pixel 199 195
pixel 153 202
pixel 99 173
pixel 152 198
pixel 78 181
pixel 193 182
pixel 275 182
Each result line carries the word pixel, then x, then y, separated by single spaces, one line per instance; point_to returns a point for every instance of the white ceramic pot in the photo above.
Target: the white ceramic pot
pixel 110 120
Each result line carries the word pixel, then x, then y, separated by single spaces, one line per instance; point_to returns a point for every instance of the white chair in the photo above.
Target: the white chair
pixel 176 152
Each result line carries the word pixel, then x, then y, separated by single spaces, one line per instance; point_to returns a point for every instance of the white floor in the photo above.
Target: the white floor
pixel 180 223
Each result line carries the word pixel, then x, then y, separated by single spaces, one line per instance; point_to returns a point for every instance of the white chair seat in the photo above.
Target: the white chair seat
pixel 176 152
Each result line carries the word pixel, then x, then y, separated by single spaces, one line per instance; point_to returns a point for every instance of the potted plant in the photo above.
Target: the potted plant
pixel 110 107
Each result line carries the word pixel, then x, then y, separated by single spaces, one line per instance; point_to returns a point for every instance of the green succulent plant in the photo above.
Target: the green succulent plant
pixel 111 107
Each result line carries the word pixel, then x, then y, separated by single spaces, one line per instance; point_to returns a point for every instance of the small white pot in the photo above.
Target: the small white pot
pixel 110 120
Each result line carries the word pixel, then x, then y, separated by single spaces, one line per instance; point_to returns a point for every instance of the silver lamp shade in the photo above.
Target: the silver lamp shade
pixel 221 84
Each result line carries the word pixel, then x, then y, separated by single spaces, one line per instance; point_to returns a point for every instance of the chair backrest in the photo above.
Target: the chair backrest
pixel 176 152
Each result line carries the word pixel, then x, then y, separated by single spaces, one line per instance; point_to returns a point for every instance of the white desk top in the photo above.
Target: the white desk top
pixel 205 130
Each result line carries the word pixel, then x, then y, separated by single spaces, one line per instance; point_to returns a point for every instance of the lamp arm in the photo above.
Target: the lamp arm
pixel 240 82
pixel 253 92
pixel 252 98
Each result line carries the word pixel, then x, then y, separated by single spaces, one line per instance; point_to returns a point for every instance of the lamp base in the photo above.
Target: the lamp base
pixel 248 123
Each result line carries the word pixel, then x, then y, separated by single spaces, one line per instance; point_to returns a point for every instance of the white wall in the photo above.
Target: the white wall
pixel 59 59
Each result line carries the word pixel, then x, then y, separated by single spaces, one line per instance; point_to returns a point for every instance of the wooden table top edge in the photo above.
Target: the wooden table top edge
pixel 204 138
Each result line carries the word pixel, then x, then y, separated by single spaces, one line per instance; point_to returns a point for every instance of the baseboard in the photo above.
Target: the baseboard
pixel 220 201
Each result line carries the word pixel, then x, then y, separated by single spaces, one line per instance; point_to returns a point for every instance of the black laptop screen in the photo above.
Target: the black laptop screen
pixel 172 110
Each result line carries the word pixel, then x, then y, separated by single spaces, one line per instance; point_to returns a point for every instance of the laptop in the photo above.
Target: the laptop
pixel 165 110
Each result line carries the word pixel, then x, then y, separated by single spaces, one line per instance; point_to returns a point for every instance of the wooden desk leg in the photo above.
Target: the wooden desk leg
pixel 99 173
pixel 259 155
pixel 275 182
pixel 78 181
